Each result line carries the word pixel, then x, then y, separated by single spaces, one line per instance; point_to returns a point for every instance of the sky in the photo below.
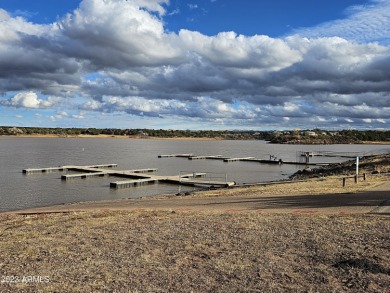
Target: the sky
pixel 200 64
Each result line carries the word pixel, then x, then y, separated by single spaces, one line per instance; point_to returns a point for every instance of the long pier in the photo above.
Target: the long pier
pixel 276 162
pixel 245 159
pixel 64 168
pixel 350 155
pixel 83 175
pixel 238 159
pixel 134 177
pixel 130 183
pixel 100 173
pixel 176 155
pixel 219 157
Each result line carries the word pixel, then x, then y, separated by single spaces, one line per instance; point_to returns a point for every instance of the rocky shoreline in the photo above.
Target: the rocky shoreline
pixel 375 164
pixel 324 141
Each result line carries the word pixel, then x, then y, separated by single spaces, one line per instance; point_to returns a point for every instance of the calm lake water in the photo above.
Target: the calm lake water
pixel 20 191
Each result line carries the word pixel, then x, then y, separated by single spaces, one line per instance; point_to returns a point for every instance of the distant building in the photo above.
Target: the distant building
pixel 15 131
pixel 141 133
pixel 311 133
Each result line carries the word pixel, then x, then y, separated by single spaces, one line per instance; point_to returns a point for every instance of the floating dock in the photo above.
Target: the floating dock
pixel 135 177
pixel 205 157
pixel 100 173
pixel 245 159
pixel 176 155
pixel 193 175
pixel 350 155
pixel 192 180
pixel 276 162
pixel 43 170
pixel 83 175
pixel 130 183
pixel 238 159
pixel 64 168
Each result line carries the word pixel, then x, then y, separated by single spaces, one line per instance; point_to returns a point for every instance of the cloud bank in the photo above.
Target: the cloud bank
pixel 115 56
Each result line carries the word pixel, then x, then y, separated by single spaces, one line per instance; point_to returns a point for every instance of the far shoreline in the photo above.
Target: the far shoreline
pixel 83 136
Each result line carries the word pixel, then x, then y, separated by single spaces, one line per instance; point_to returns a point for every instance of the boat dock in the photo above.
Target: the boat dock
pixel 245 159
pixel 349 155
pixel 238 159
pixel 190 179
pixel 276 162
pixel 83 175
pixel 134 177
pixel 205 157
pixel 93 173
pixel 130 183
pixel 64 168
pixel 176 155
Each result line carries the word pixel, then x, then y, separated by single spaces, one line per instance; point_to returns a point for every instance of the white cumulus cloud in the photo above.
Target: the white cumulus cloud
pixel 27 100
pixel 114 56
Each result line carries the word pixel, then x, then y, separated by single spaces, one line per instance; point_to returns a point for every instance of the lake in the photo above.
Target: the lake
pixel 20 191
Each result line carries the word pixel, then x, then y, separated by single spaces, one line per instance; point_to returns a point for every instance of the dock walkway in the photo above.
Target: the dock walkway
pixel 238 159
pixel 134 177
pixel 205 157
pixel 71 167
pixel 176 155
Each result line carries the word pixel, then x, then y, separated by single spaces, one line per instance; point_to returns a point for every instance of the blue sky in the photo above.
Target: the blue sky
pixel 248 17
pixel 207 64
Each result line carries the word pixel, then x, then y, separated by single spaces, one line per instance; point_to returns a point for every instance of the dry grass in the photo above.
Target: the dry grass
pixel 326 185
pixel 199 252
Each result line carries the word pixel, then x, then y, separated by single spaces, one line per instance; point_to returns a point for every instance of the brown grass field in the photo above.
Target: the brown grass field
pixel 163 251
pixel 206 250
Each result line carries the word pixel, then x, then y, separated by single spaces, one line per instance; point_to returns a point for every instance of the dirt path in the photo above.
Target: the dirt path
pixel 375 200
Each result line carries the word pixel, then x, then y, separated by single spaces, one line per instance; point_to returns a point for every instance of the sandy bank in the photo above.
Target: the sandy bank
pixel 312 236
pixel 184 251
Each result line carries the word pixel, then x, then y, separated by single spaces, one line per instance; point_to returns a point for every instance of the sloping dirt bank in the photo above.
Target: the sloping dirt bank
pixel 325 196
pixel 213 251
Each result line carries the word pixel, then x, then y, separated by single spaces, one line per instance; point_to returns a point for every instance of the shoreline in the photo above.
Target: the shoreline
pixel 333 179
pixel 331 196
pixel 207 242
pixel 323 180
pixel 83 136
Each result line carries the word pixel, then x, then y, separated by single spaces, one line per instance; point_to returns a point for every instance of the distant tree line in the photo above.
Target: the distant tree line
pixel 318 136
pixel 164 133
pixel 289 136
pixel 368 135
